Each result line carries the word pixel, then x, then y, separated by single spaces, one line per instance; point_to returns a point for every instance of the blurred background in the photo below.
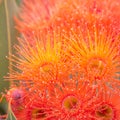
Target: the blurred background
pixel 8 35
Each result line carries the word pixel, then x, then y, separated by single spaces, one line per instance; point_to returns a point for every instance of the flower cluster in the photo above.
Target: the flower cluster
pixel 67 61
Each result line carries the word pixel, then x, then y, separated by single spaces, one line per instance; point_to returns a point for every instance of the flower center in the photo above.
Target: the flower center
pixel 38 113
pixel 96 68
pixel 47 67
pixel 105 112
pixel 47 71
pixel 70 103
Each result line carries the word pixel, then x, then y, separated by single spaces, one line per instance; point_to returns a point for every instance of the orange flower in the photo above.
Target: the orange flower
pixel 39 110
pixel 104 14
pixel 26 107
pixel 97 54
pixel 70 99
pixel 106 106
pixel 35 15
pixel 41 63
pixel 68 15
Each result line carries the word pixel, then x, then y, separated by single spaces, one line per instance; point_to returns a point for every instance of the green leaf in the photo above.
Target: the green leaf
pixel 8 34
pixel 8 8
pixel 10 115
